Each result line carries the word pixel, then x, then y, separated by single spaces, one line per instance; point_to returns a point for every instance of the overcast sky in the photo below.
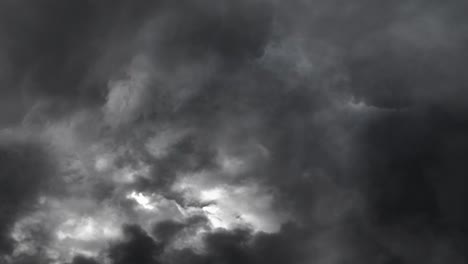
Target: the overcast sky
pixel 233 132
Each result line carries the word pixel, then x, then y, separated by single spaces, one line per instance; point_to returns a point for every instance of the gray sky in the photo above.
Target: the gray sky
pixel 249 131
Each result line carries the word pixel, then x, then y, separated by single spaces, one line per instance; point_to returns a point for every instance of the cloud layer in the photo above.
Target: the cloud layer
pixel 251 131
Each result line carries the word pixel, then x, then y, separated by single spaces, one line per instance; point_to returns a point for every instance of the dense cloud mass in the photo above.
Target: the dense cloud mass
pixel 227 132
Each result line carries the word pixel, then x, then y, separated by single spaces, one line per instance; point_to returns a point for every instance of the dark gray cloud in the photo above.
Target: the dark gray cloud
pixel 83 260
pixel 351 114
pixel 26 172
pixel 138 247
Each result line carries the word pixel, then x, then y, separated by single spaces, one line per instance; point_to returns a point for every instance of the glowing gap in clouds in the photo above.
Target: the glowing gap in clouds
pixel 142 200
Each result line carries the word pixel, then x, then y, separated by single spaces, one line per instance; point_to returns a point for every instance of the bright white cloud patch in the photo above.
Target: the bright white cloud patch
pixel 212 194
pixel 143 200
pixel 232 206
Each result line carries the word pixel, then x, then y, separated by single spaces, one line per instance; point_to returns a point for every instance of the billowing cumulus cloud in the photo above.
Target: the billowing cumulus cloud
pixel 251 131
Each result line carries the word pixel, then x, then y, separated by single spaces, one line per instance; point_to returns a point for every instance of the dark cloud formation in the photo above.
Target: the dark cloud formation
pixel 139 247
pixel 83 260
pixel 351 114
pixel 26 171
pixel 237 246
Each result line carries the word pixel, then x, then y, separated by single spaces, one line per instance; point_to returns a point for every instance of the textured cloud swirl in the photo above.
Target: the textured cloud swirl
pixel 233 131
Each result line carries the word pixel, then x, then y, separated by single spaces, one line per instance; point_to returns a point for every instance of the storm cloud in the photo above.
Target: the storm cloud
pixel 251 131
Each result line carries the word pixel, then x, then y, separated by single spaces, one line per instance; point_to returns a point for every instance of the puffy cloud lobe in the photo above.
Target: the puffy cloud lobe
pixel 219 247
